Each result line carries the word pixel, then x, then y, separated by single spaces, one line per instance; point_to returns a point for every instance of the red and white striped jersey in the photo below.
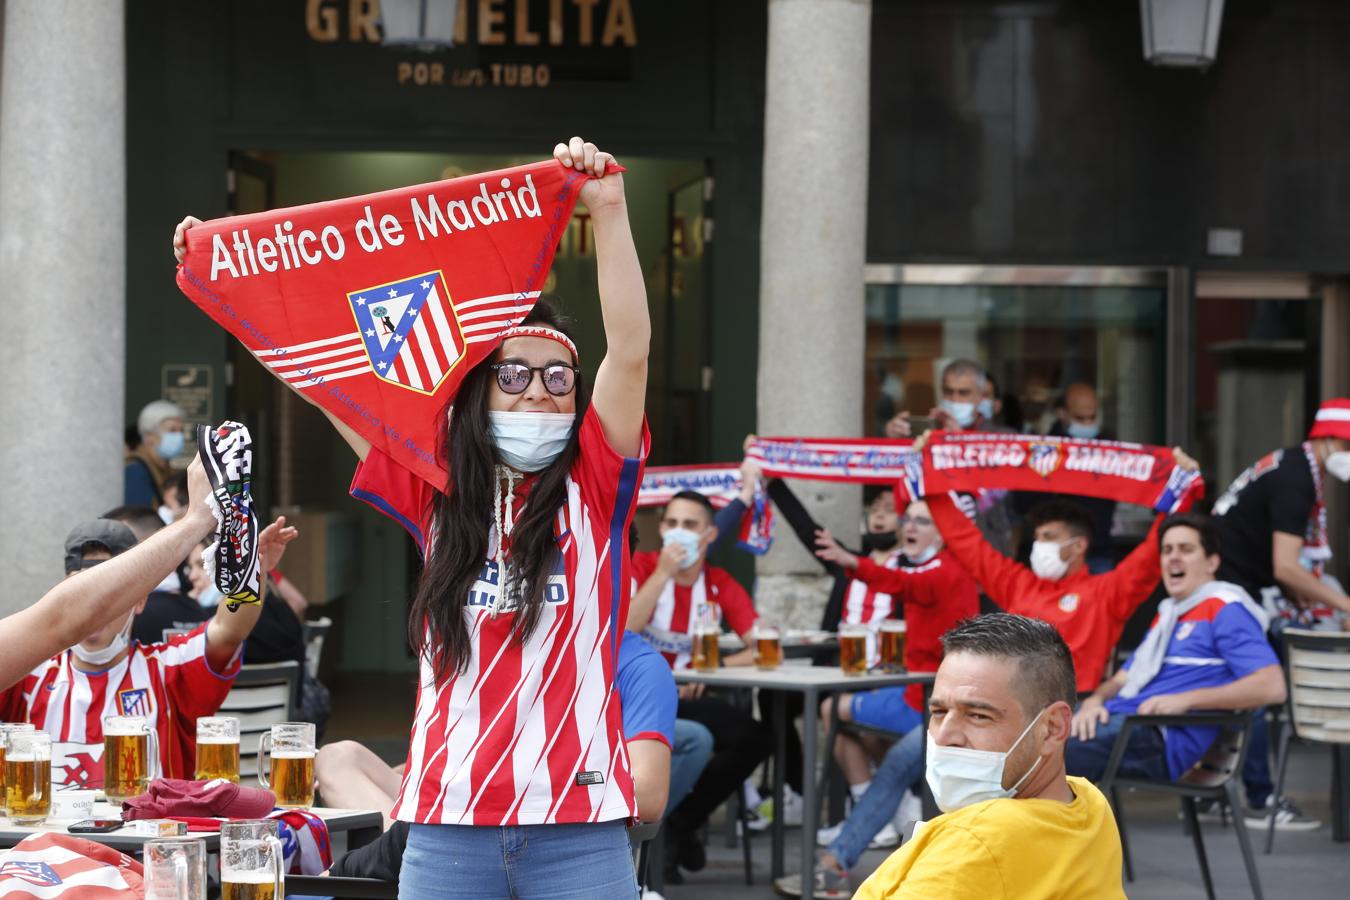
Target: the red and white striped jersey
pixel 171 684
pixel 530 734
pixel 864 605
pixel 671 627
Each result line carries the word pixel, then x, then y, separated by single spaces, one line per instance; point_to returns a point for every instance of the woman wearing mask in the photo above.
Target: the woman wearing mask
pixel 160 426
pixel 517 783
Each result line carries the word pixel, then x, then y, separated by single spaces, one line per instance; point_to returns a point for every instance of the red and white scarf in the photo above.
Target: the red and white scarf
pixel 851 460
pixel 721 484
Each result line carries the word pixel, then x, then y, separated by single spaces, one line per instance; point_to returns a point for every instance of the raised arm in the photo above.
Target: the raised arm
pixel 82 604
pixel 228 629
pixel 800 520
pixel 359 445
pixel 621 381
pixel 1000 577
pixel 728 518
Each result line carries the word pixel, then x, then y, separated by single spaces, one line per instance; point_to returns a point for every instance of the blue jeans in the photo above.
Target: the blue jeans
pixel 579 861
pixel 1145 755
pixel 900 769
pixel 693 747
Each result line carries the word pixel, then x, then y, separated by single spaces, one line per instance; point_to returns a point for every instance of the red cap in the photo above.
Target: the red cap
pixel 170 797
pixel 1332 420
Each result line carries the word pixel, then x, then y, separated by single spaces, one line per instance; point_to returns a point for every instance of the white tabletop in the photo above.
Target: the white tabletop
pixel 800 678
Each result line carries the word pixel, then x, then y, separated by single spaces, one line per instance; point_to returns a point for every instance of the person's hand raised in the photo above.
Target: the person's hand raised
pixel 606 188
pixel 180 237
pixel 828 549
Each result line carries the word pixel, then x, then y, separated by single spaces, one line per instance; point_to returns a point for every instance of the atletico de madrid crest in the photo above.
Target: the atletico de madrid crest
pixel 410 331
pixel 1043 459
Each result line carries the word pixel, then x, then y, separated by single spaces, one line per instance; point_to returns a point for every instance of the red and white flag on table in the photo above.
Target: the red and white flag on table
pixel 49 865
pixel 377 306
pixel 852 460
pixel 1115 470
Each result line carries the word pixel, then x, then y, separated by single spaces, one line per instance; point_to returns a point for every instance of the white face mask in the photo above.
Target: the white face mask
pixel 530 442
pixel 1046 561
pixel 928 554
pixel 108 653
pixel 963 413
pixel 1338 465
pixel 691 541
pixel 960 776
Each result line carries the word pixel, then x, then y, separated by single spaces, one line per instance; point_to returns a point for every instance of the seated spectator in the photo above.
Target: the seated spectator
pixel 352 777
pixel 936 593
pixel 108 674
pixel 74 608
pixel 1206 650
pixel 677 589
pixel 168 606
pixel 147 466
pixel 1013 824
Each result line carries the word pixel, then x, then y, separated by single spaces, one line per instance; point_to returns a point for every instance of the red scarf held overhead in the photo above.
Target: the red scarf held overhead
pixel 1114 470
pixel 376 307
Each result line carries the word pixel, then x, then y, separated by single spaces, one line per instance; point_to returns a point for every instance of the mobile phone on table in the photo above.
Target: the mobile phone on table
pixel 95 826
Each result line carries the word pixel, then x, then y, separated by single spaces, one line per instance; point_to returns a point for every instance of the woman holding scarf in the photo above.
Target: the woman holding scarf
pixel 517 783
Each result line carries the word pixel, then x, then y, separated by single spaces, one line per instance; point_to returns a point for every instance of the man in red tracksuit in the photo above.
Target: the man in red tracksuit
pixel 1088 610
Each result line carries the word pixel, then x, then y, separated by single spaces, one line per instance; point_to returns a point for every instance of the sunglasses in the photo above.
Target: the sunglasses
pixel 514 377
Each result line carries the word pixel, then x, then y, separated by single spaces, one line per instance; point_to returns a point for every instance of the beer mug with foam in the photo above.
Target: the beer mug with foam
pixel 853 649
pixel 28 777
pixel 252 861
pixel 175 869
pixel 218 748
pixel 706 655
pixel 130 756
pixel 5 729
pixel 893 644
pixel 291 747
pixel 768 645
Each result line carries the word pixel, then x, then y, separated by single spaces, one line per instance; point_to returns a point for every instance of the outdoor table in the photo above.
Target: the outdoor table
pixel 811 682
pixel 360 825
pixel 812 645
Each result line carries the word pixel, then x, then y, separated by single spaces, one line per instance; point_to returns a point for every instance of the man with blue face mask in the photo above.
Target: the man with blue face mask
pixel 1014 825
pixel 1083 420
pixel 160 425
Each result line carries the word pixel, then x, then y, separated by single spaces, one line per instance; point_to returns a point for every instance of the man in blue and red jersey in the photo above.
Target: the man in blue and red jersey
pixel 1206 649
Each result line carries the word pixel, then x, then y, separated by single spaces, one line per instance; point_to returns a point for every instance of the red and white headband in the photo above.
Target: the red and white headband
pixel 541 331
pixel 1332 420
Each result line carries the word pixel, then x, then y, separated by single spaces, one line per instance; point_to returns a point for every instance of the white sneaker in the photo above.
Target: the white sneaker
pixel 911 810
pixel 792 807
pixel 885 838
pixel 828 835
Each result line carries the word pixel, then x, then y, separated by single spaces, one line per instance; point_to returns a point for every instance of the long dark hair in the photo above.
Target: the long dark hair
pixel 458 541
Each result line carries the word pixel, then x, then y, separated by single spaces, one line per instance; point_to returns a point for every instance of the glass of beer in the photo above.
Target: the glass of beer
pixel 6 728
pixel 853 649
pixel 28 777
pixel 218 748
pixel 706 655
pixel 291 747
pixel 252 861
pixel 130 756
pixel 768 646
pixel 893 645
pixel 175 869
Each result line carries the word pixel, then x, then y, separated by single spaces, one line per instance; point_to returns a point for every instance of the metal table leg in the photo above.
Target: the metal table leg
pixel 810 813
pixel 780 725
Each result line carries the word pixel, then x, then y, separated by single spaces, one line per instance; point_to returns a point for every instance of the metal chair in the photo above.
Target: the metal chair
pixel 262 696
pixel 1215 777
pixel 1317 671
pixel 316 631
pixel 643 837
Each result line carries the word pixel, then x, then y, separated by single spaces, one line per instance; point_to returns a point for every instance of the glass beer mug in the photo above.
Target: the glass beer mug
pixel 768 646
pixel 218 748
pixel 175 869
pixel 252 861
pixel 707 652
pixel 291 748
pixel 7 728
pixel 130 756
pixel 28 777
pixel 853 649
pixel 892 637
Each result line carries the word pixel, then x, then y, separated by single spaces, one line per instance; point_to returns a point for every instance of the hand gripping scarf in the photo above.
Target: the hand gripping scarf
pixel 376 307
pixel 1114 470
pixel 720 484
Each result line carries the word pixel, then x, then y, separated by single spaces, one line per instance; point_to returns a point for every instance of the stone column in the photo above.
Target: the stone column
pixel 62 273
pixel 813 234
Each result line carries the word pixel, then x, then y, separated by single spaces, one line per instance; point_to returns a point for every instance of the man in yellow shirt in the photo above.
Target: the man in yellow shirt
pixel 1014 825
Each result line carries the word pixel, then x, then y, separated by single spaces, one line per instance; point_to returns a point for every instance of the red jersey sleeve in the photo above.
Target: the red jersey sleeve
pixel 644 564
pixel 736 604
pixel 922 585
pixel 396 492
pixel 608 480
pixel 1134 580
pixel 14 703
pixel 1002 579
pixel 194 688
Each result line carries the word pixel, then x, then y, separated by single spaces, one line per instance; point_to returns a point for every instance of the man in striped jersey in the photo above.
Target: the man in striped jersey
pixel 108 674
